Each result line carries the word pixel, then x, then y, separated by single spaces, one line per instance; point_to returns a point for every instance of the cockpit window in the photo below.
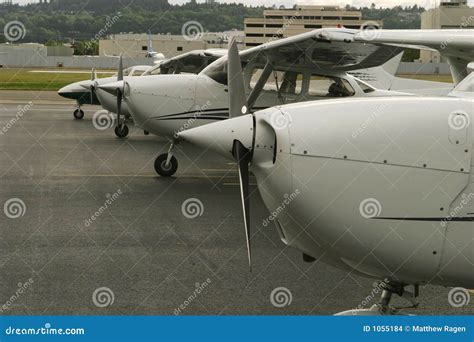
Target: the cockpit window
pixel 467 85
pixel 365 87
pixel 156 70
pixel 286 82
pixel 218 72
pixel 323 86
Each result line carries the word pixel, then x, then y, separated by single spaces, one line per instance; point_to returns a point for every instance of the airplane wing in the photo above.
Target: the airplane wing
pixel 457 46
pixel 322 49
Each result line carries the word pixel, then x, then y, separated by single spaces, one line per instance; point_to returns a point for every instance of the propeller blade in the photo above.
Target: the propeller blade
pixel 235 79
pixel 120 69
pixel 91 93
pixel 119 100
pixel 243 157
pixel 93 74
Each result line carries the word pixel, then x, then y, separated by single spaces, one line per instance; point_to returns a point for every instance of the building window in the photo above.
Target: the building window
pixel 254 34
pixel 254 25
pixel 350 18
pixel 310 26
pixel 144 48
pixel 275 35
pixel 274 25
pixel 252 44
pixel 179 48
pixel 331 18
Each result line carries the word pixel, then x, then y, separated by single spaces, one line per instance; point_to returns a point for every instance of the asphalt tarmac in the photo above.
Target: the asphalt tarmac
pixel 98 232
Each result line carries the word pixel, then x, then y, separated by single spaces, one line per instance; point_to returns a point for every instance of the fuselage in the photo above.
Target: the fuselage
pixel 168 104
pixel 383 188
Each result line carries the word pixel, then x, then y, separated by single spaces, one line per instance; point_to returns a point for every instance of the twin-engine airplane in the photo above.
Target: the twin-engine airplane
pixel 317 65
pixel 380 187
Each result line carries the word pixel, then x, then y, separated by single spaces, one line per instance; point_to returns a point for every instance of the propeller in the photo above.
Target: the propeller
pixel 242 155
pixel 235 79
pixel 233 137
pixel 93 82
pixel 119 90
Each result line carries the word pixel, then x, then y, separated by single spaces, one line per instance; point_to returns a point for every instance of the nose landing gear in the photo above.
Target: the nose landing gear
pixel 166 164
pixel 78 113
pixel 388 288
pixel 121 129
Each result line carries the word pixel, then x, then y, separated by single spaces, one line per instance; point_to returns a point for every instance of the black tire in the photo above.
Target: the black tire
pixel 78 114
pixel 160 167
pixel 146 132
pixel 121 131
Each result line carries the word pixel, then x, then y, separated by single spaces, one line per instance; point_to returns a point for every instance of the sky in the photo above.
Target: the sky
pixel 290 3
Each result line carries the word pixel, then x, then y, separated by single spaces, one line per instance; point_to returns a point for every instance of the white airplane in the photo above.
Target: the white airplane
pixel 83 91
pixel 87 92
pixel 315 65
pixel 394 201
pixel 151 53
pixel 188 63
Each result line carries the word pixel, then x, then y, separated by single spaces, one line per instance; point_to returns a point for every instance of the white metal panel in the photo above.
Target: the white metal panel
pixel 407 131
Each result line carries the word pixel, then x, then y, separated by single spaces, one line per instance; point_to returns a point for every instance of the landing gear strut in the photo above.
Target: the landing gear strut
pixel 78 113
pixel 383 306
pixel 166 164
pixel 121 130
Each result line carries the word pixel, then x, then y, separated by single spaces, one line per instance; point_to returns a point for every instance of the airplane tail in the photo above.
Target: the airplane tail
pixel 381 76
pixel 150 43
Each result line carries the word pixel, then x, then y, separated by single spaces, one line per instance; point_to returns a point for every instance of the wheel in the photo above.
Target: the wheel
pixel 78 114
pixel 146 132
pixel 121 131
pixel 160 165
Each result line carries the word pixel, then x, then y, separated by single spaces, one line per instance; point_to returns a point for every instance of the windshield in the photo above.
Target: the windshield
pixel 364 86
pixel 467 85
pixel 217 71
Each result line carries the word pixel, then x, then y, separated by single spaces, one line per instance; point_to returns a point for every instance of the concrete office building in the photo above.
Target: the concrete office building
pixel 451 14
pixel 135 45
pixel 280 23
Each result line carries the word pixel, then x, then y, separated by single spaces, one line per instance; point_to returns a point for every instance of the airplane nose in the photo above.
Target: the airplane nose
pixel 111 88
pixel 220 136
